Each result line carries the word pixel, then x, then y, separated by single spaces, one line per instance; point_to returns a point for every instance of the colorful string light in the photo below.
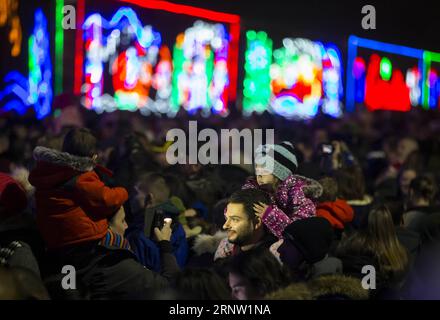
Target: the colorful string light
pixel 200 77
pixel 36 90
pixel 221 77
pixel 303 76
pixel 131 69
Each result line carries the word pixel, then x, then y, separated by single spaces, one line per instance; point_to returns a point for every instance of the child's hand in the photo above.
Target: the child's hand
pixel 164 234
pixel 260 208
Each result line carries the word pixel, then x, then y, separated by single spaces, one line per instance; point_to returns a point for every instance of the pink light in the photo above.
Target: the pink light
pixel 359 67
pixel 232 19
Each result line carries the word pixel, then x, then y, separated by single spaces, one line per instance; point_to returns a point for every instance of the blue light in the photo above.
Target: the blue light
pixel 35 89
pixel 143 36
pixel 385 47
pixel 15 105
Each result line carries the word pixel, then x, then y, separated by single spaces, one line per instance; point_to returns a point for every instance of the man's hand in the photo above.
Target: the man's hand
pixel 164 234
pixel 260 208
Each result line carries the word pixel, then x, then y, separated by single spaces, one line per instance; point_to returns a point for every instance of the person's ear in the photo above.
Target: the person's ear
pixel 95 157
pixel 258 222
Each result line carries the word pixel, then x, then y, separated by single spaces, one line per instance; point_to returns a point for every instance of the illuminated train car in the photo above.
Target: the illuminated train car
pixel 293 81
pixel 155 57
pixel 386 76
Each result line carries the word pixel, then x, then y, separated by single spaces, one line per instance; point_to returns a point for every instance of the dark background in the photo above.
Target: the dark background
pixel 411 23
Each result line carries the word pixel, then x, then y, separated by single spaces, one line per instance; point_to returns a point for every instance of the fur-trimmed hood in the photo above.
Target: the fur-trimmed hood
pixel 205 243
pixel 54 168
pixel 337 287
pixel 312 189
pixel 365 201
pixel 294 291
pixel 63 159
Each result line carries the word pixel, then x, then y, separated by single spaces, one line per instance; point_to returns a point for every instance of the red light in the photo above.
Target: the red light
pixel 385 95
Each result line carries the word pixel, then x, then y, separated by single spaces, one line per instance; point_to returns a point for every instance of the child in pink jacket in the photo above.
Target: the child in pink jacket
pixel 293 197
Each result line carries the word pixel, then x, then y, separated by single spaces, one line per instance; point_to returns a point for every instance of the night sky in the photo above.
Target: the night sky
pixel 411 23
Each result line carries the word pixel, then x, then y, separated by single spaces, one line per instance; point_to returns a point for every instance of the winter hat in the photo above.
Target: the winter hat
pixel 12 196
pixel 279 159
pixel 311 236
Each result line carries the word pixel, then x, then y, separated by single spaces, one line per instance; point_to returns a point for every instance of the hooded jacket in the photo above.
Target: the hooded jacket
pixel 294 199
pixel 72 203
pixel 338 212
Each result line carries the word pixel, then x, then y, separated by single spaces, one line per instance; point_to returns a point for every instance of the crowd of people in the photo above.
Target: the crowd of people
pixel 330 199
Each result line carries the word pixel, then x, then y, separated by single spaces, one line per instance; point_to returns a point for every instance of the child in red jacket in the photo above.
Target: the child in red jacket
pixel 72 202
pixel 337 211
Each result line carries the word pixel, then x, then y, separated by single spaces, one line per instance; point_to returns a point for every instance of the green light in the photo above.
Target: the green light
pixel 251 35
pixel 126 101
pixel 262 36
pixel 209 73
pixel 178 69
pixel 256 84
pixel 385 69
pixel 59 46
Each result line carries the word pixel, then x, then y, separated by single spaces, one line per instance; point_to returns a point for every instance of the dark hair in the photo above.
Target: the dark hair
pixel 155 182
pixel 351 183
pixel 263 272
pixel 424 187
pixel 201 284
pixel 329 189
pixel 218 213
pixel 247 197
pixel 80 142
pixel 396 209
pixel 179 188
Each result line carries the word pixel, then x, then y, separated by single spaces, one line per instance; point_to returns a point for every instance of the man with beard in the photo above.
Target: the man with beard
pixel 245 229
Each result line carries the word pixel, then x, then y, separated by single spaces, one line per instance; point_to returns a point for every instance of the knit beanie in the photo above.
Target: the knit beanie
pixel 311 236
pixel 279 159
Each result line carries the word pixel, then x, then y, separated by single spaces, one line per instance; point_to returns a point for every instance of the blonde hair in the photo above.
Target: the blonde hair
pixel 383 240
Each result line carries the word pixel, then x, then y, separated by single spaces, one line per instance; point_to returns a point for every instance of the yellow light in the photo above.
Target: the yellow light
pixel 9 16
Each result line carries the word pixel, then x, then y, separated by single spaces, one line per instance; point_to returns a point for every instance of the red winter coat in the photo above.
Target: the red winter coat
pixel 72 202
pixel 337 212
